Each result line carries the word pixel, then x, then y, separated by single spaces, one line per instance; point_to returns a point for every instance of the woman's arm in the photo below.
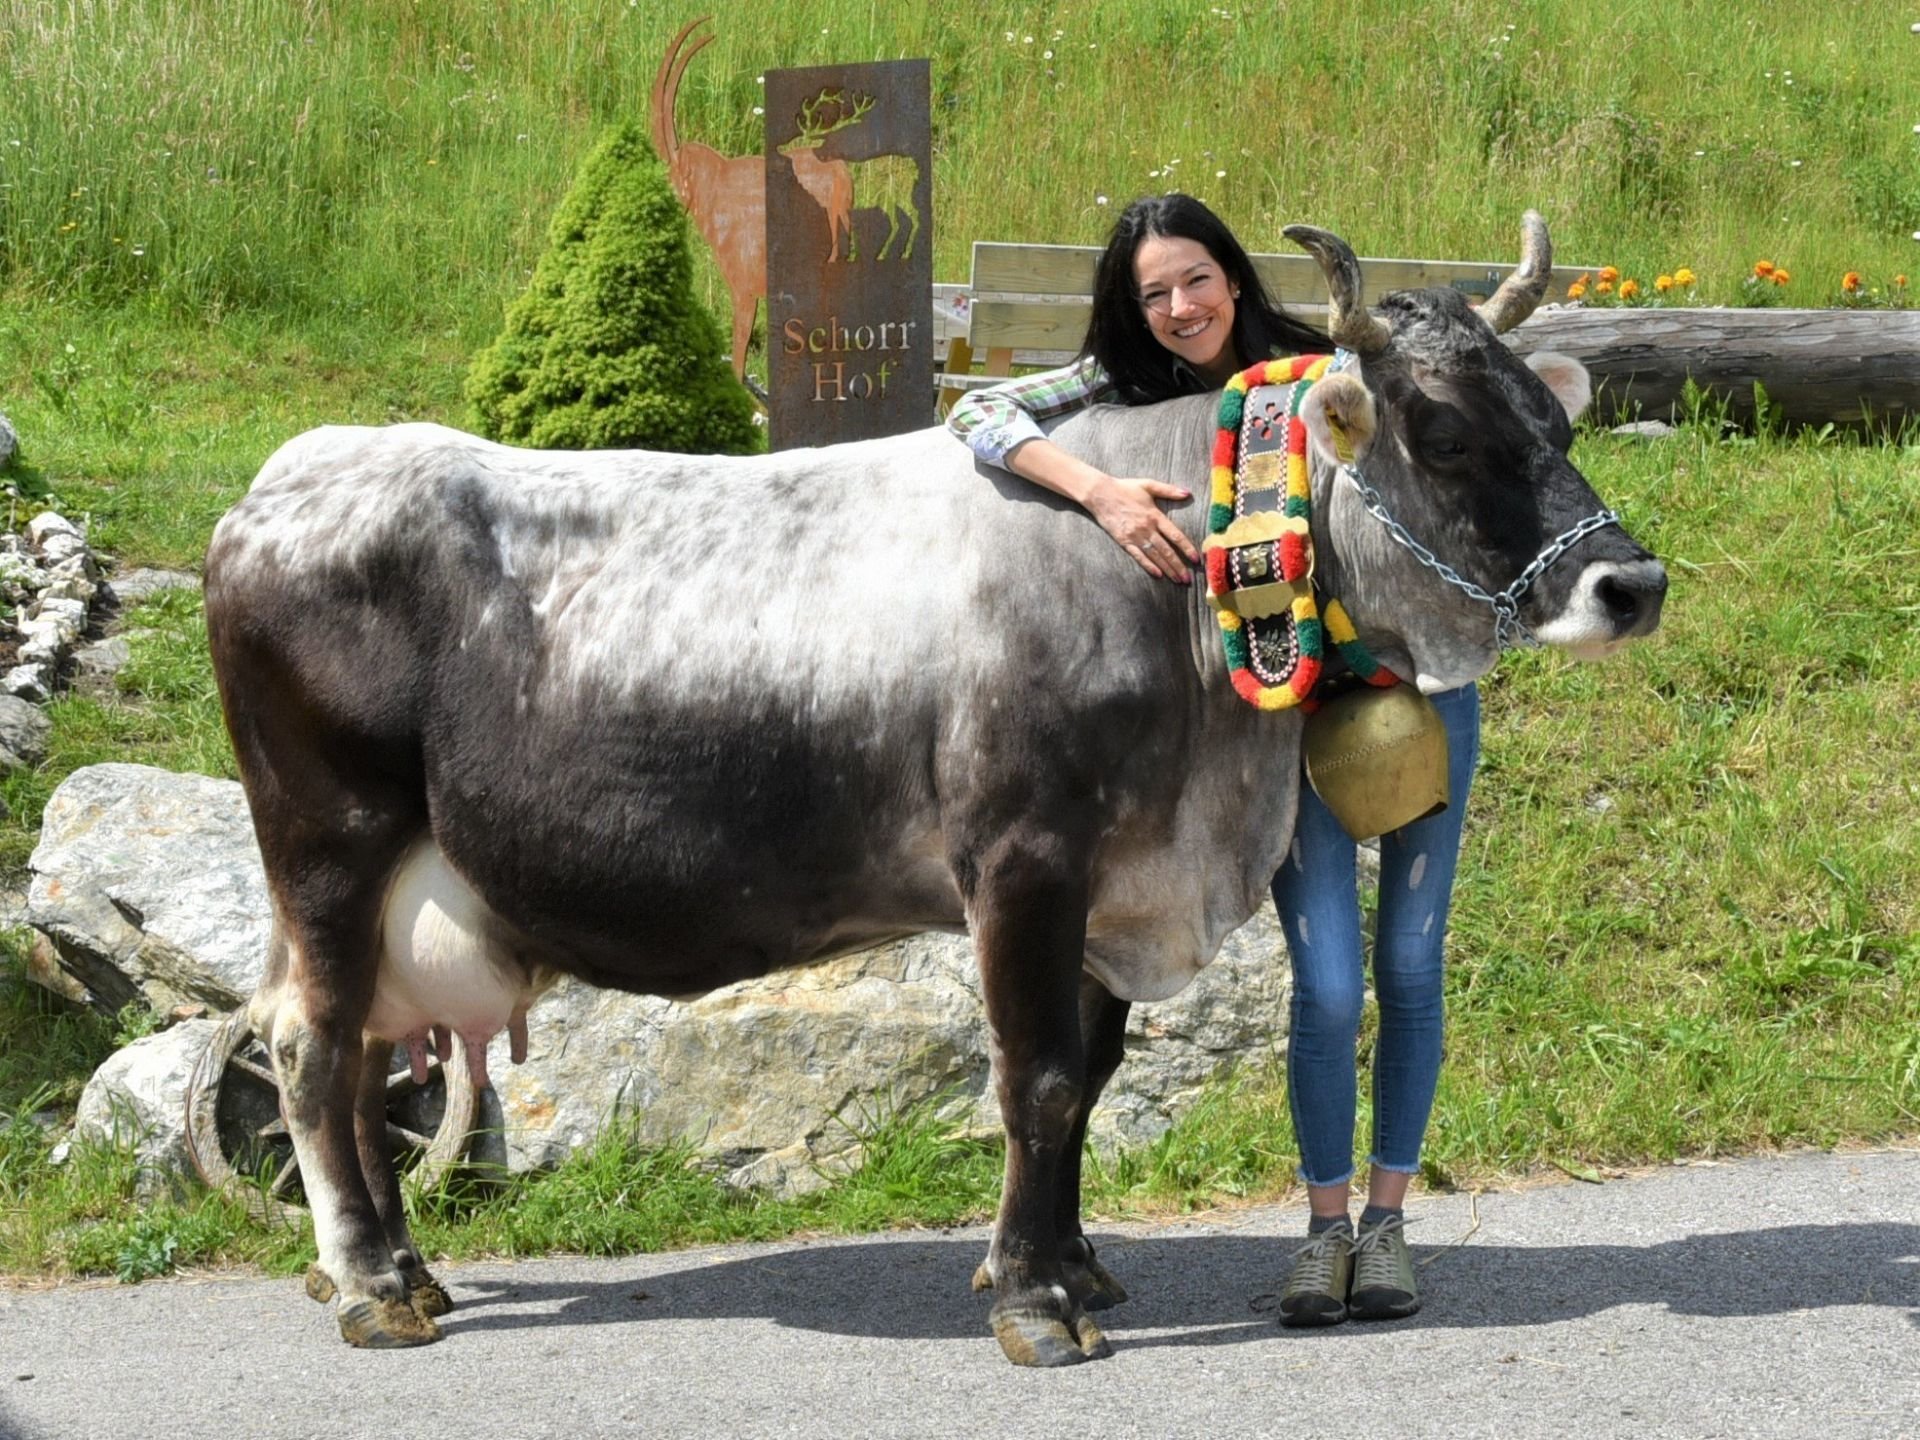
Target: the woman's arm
pixel 1001 424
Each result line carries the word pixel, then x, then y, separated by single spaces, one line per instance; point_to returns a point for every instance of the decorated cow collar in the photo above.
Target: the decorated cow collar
pixel 1259 546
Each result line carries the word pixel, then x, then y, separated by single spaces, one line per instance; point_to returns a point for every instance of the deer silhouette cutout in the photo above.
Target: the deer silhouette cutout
pixel 725 194
pixel 884 182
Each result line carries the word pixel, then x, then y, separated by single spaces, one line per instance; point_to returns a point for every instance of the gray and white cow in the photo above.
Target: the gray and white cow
pixel 665 722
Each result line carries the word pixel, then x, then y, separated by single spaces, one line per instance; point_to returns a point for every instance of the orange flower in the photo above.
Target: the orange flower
pixel 1663 283
pixel 1781 277
pixel 1763 268
pixel 1683 276
pixel 1629 289
pixel 1609 274
pixel 1605 287
pixel 1577 290
pixel 1850 282
pixel 1900 282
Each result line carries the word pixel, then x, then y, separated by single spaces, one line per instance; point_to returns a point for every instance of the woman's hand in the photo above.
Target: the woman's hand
pixel 1125 509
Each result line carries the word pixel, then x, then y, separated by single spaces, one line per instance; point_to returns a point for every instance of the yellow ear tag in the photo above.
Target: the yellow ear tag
pixel 1342 444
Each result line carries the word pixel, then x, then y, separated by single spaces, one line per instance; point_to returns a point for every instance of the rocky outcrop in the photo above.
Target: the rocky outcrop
pixel 150 887
pixel 138 1098
pixel 50 579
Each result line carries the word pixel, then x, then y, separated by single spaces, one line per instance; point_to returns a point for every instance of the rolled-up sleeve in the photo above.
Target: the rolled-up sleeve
pixel 997 419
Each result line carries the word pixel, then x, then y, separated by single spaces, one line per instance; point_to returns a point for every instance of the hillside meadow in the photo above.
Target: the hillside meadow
pixel 1688 922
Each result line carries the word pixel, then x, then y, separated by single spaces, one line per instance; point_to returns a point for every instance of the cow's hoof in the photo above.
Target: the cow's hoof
pixel 1035 1334
pixel 1093 1285
pixel 983 1277
pixel 426 1294
pixel 319 1284
pixel 386 1325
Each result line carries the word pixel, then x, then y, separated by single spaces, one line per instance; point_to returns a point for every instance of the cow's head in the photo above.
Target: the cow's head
pixel 1465 446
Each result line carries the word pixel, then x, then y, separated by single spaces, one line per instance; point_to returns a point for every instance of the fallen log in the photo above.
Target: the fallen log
pixel 1854 369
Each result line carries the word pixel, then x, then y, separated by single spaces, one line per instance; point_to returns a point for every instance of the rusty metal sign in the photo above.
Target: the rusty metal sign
pixel 725 194
pixel 849 197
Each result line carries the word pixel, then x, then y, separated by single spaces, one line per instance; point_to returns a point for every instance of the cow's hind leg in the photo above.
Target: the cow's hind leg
pixel 318 1055
pixel 1029 929
pixel 426 1294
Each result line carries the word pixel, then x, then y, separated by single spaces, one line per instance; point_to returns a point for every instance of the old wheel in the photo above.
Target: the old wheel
pixel 238 1138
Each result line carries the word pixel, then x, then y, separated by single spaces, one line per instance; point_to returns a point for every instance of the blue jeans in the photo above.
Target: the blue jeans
pixel 1316 896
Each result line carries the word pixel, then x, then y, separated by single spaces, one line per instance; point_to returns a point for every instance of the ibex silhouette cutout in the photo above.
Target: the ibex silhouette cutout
pixel 725 194
pixel 884 182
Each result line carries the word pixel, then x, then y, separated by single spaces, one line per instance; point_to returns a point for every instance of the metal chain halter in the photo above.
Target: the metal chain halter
pixel 1508 631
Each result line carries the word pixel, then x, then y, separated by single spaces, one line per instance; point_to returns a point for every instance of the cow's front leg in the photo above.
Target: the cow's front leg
pixel 1103 1032
pixel 1029 928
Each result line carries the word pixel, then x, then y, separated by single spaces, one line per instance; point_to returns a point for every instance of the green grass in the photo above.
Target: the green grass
pixel 396 165
pixel 1686 923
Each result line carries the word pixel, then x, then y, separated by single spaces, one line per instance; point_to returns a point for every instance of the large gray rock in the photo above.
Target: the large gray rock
pixel 23 733
pixel 137 585
pixel 773 1079
pixel 138 1097
pixel 150 887
pixel 9 441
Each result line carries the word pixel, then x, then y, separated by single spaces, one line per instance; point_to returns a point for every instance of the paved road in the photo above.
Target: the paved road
pixel 1776 1297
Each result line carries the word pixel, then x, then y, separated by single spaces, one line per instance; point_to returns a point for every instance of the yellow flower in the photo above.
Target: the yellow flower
pixel 1850 282
pixel 1629 289
pixel 1781 277
pixel 1577 290
pixel 70 225
pixel 1609 274
pixel 1605 287
pixel 1683 276
pixel 1763 268
pixel 1663 283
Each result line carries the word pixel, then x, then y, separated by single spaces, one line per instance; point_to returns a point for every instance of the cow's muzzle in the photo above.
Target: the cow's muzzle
pixel 1612 603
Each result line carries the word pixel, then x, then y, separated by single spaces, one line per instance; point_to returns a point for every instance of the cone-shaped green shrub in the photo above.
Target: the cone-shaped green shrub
pixel 609 348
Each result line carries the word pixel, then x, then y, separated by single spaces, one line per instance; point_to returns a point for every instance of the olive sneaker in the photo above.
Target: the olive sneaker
pixel 1316 1292
pixel 1383 1284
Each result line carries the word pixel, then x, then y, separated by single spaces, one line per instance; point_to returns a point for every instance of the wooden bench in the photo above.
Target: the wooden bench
pixel 1027 305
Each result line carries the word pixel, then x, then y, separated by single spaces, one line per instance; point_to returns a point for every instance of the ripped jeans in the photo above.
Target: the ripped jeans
pixel 1316 896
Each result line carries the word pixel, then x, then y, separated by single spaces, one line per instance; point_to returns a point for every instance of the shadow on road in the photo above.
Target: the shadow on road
pixel 1221 1289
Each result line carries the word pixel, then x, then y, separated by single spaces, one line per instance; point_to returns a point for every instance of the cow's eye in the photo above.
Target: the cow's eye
pixel 1446 449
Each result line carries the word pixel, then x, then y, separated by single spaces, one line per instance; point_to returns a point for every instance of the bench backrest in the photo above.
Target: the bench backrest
pixel 1028 304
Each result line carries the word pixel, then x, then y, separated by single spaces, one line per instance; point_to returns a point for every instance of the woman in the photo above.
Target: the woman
pixel 1177 309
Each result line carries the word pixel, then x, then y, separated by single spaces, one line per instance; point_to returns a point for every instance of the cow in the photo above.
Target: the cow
pixel 666 722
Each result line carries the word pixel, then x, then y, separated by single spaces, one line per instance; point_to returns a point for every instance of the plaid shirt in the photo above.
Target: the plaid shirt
pixel 1000 418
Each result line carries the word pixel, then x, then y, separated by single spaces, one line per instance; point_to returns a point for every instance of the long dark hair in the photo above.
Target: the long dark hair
pixel 1144 370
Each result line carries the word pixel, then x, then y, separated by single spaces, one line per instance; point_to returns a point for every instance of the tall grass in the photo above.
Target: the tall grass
pixel 398 162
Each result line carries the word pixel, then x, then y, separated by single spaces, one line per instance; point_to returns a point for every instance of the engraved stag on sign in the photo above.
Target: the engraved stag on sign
pixel 884 182
pixel 725 194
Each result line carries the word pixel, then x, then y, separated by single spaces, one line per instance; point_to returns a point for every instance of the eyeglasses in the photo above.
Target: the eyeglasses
pixel 1199 290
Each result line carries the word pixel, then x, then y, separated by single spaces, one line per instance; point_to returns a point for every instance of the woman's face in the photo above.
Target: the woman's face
pixel 1188 302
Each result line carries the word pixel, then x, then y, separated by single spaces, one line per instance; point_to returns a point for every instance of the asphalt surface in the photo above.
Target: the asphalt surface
pixel 1770 1297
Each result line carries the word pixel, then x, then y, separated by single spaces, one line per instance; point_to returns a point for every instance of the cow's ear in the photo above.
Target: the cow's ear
pixel 1566 377
pixel 1339 417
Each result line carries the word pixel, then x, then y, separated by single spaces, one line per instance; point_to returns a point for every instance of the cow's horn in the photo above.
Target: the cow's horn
pixel 1521 291
pixel 1350 324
